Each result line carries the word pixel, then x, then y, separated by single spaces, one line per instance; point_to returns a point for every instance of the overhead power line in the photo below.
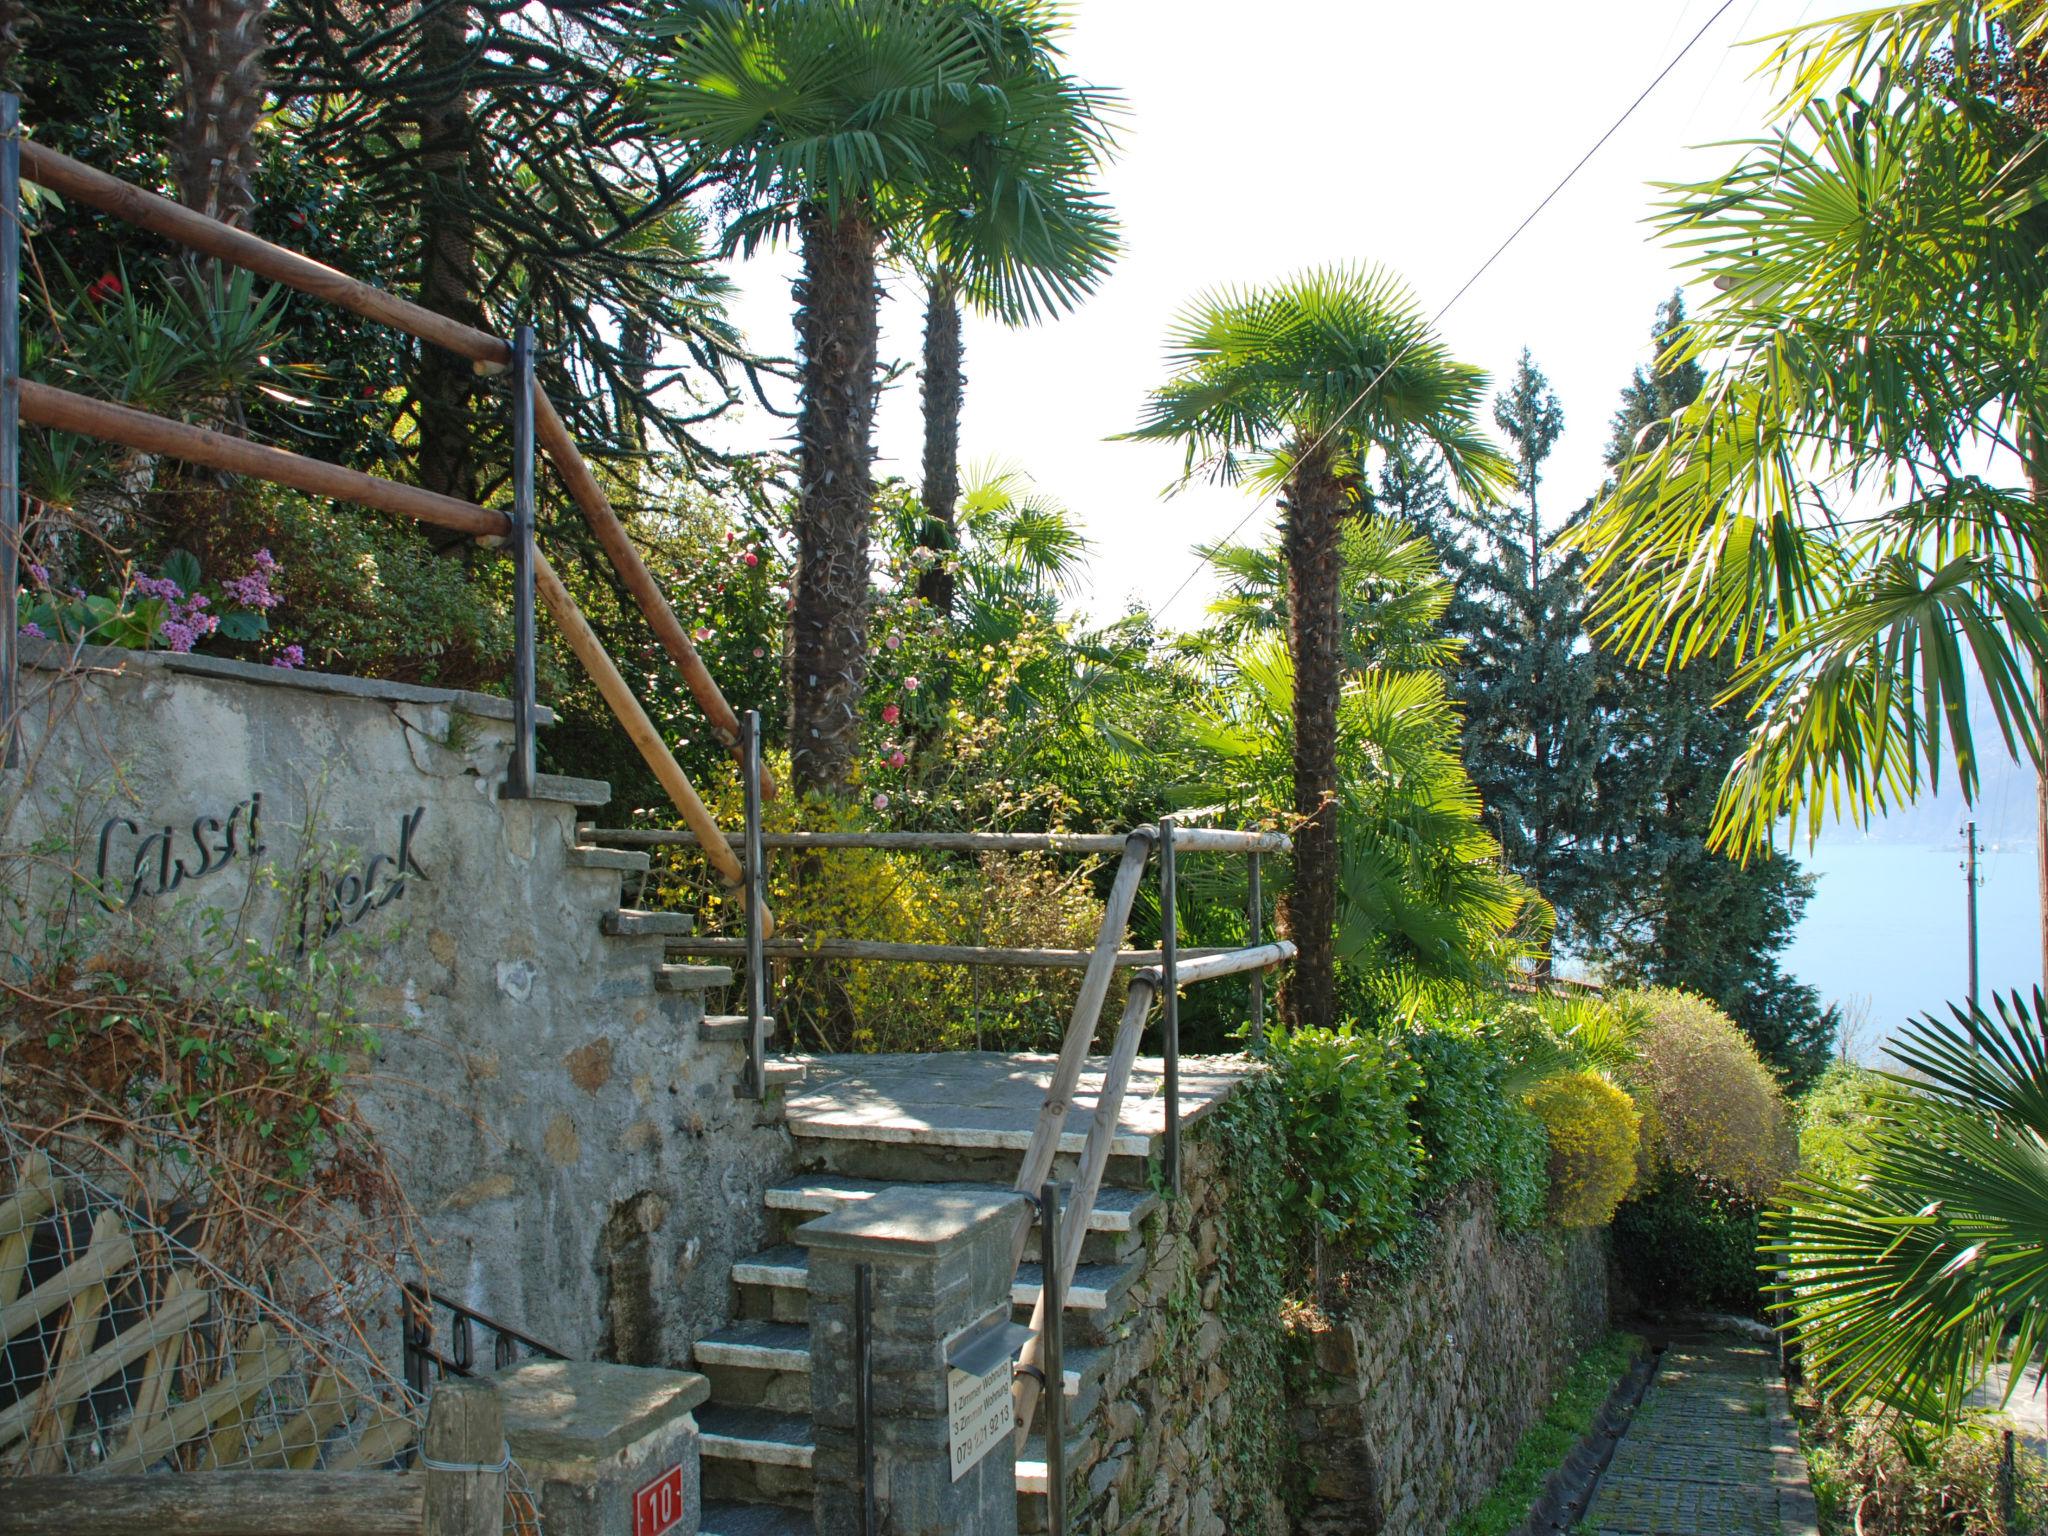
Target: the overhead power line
pixel 1466 287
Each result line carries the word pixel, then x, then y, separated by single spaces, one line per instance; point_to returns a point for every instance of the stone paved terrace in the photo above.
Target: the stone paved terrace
pixel 1711 1451
pixel 986 1099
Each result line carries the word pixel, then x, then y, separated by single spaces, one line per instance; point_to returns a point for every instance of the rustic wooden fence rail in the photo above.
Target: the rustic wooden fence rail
pixel 535 419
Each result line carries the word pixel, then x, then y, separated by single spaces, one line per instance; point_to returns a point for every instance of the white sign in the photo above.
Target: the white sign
pixel 980 1412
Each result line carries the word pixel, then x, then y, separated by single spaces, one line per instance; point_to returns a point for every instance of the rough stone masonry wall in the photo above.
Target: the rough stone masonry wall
pixel 1409 1410
pixel 1191 1433
pixel 580 1168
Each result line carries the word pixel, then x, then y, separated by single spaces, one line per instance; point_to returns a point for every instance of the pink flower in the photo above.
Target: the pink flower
pixel 891 714
pixel 751 558
pixel 910 685
pixel 896 758
pixel 881 802
pixel 703 634
pixel 894 642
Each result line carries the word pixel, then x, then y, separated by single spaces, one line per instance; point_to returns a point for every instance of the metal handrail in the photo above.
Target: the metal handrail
pixel 418 1303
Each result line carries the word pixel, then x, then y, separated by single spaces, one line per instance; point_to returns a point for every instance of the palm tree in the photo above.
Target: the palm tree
pixel 851 123
pixel 1818 512
pixel 219 47
pixel 1295 386
pixel 1905 1280
pixel 1016 229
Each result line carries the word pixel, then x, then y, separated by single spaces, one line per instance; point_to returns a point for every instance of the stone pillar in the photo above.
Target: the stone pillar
pixel 940 1259
pixel 593 1439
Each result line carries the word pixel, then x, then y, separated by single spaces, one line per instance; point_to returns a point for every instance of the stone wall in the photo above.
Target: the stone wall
pixel 578 1161
pixel 1409 1409
pixel 1190 1433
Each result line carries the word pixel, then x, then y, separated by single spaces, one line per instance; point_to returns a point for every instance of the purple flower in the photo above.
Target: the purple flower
pixel 159 586
pixel 32 632
pixel 253 590
pixel 290 656
pixel 41 573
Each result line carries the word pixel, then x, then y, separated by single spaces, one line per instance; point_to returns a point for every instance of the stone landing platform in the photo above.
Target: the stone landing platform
pixel 989 1101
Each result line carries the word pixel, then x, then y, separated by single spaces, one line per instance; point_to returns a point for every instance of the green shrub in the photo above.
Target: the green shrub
pixel 1470 1125
pixel 1835 1121
pixel 1593 1129
pixel 1354 1162
pixel 1711 1108
pixel 1684 1242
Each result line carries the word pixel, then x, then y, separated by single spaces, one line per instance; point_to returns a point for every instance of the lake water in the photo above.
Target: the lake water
pixel 1887 926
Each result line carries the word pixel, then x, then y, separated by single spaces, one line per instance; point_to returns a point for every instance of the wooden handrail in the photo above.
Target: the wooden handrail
pixel 96 189
pixel 611 534
pixel 81 183
pixel 217 1503
pixel 45 405
pixel 627 708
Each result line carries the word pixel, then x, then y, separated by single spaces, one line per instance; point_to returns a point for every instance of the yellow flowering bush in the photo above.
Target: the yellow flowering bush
pixel 1592 1127
pixel 1711 1107
pixel 907 897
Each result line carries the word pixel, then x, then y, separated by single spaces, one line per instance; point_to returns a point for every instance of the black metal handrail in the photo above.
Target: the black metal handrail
pixel 460 1359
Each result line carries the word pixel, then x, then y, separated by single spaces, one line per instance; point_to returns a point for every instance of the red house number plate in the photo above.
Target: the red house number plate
pixel 659 1505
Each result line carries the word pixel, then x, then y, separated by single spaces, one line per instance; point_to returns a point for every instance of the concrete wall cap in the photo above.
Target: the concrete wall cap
pixel 911 1220
pixel 572 1410
pixel 49 656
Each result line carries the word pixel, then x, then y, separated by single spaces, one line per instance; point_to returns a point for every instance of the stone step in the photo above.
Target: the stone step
pixel 1115 1226
pixel 565 790
pixel 731 1026
pixel 691 978
pixel 630 923
pixel 783 1075
pixel 754 1455
pixel 723 1519
pixel 627 861
pixel 939 1158
pixel 748 1359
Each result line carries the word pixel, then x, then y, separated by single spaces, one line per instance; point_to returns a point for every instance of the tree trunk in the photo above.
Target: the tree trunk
pixel 219 46
pixel 443 382
pixel 1312 542
pixel 2034 444
pixel 837 301
pixel 944 383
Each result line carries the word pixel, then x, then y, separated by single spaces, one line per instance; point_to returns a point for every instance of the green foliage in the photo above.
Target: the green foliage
pixel 1593 1134
pixel 1711 1109
pixel 1837 1121
pixel 1908 1277
pixel 1566 1420
pixel 1354 1161
pixel 1688 1243
pixel 1472 1126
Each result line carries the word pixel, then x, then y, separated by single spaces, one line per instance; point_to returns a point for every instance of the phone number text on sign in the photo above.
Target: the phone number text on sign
pixel 659 1505
pixel 980 1412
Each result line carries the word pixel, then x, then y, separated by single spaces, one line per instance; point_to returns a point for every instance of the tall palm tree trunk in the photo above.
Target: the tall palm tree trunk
pixel 443 382
pixel 945 381
pixel 1312 539
pixel 219 46
pixel 837 304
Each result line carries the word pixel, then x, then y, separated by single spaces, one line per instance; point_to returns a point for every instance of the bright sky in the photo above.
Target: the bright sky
pixel 1300 132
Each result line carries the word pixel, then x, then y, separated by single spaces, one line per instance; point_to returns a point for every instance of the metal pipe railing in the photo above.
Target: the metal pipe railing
pixel 10 425
pixel 888 951
pixel 1169 994
pixel 519 773
pixel 1188 839
pixel 756 874
pixel 1054 1357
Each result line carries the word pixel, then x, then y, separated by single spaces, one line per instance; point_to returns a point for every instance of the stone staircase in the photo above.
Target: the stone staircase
pixel 756 1435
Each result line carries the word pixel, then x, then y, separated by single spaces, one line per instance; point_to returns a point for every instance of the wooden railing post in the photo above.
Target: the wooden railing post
pixel 465 1459
pixel 10 426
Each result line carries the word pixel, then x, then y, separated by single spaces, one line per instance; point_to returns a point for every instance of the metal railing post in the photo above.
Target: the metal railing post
pixel 756 876
pixel 1255 912
pixel 10 428
pixel 1052 1360
pixel 863 1390
pixel 1169 969
pixel 519 776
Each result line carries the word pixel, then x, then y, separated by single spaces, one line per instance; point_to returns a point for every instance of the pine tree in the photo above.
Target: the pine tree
pixel 1675 913
pixel 1527 680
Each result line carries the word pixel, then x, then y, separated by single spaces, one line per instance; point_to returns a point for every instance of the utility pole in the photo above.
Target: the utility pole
pixel 1971 883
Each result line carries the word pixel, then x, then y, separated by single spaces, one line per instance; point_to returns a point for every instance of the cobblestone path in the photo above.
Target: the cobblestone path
pixel 1711 1451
